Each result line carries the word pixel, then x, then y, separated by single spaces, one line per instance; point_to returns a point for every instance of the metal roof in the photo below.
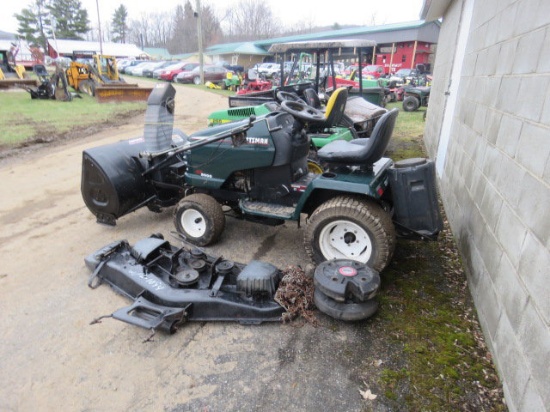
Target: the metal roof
pixel 321 45
pixel 66 47
pixel 386 33
pixel 237 48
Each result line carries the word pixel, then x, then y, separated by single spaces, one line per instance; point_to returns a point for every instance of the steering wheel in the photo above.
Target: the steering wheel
pixel 303 111
pixel 286 96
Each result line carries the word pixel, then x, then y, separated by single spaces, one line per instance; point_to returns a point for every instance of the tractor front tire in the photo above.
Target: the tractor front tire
pixel 410 104
pixel 349 227
pixel 199 218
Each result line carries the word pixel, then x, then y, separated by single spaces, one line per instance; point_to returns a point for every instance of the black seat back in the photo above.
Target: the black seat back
pixel 364 151
pixel 312 98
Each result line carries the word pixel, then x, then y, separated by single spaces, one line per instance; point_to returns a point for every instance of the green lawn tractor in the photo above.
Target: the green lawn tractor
pixel 415 96
pixel 256 169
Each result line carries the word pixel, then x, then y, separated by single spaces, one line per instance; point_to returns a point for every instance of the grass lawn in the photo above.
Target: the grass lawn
pixel 23 118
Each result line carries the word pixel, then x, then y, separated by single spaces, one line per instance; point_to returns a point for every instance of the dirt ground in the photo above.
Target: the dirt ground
pixel 51 358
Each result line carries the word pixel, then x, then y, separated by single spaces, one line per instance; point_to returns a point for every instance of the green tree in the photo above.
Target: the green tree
pixel 119 24
pixel 71 20
pixel 32 21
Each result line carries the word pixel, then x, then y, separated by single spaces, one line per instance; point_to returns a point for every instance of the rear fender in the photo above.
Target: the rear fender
pixel 372 184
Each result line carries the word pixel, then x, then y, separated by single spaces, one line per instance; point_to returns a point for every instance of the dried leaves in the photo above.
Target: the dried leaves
pixel 295 294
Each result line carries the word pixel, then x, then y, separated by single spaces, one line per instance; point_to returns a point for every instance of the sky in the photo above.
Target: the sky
pixel 355 12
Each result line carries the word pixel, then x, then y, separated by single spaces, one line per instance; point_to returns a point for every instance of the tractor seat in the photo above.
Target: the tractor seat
pixel 312 98
pixel 336 106
pixel 40 70
pixel 334 110
pixel 361 152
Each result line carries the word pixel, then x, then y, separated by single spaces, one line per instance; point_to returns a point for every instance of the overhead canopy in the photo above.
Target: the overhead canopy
pixel 321 45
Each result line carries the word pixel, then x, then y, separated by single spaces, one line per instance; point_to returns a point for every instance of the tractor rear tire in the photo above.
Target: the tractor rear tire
pixel 199 218
pixel 410 104
pixel 350 227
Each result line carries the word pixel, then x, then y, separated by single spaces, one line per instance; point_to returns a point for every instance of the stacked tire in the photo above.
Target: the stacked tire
pixel 346 289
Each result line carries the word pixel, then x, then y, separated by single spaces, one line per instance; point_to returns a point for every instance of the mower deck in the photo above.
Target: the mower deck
pixel 172 285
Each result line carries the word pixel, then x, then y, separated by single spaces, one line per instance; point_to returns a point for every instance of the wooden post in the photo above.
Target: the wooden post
pixel 414 54
pixel 391 58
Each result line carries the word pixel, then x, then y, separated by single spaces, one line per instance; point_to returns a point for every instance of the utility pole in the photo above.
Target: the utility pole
pixel 199 35
pixel 99 27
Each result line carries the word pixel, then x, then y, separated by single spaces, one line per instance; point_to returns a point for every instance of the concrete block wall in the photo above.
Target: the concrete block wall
pixel 495 184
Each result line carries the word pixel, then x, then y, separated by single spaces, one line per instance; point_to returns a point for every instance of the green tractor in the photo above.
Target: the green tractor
pixel 256 169
pixel 415 96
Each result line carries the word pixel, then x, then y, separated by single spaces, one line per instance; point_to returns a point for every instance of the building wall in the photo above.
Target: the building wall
pixel 495 180
pixel 405 56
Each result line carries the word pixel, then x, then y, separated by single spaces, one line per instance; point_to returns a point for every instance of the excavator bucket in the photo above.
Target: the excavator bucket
pixel 122 93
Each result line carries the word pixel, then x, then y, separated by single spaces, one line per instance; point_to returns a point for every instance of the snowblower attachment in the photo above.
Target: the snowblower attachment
pixel 113 182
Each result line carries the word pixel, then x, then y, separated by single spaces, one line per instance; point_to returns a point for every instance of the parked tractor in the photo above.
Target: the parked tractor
pixel 415 96
pixel 256 169
pixel 12 74
pixel 99 77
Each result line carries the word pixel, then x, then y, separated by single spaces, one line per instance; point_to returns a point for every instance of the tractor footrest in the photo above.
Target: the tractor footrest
pixel 267 209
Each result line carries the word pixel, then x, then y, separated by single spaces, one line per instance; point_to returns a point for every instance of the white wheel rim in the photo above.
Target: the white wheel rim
pixel 193 223
pixel 343 239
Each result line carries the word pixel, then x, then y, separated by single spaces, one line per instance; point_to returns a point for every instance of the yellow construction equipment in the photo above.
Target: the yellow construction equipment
pixel 12 74
pixel 98 76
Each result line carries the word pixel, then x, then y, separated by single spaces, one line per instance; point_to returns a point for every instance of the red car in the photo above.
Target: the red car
pixel 212 74
pixel 169 73
pixel 373 70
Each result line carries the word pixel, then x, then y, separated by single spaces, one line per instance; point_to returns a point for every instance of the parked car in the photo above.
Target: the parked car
pixel 373 70
pixel 348 71
pixel 404 74
pixel 169 73
pixel 212 73
pixel 149 72
pixel 160 70
pixel 132 63
pixel 232 67
pixel 122 63
pixel 269 69
pixel 149 67
pixel 137 70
